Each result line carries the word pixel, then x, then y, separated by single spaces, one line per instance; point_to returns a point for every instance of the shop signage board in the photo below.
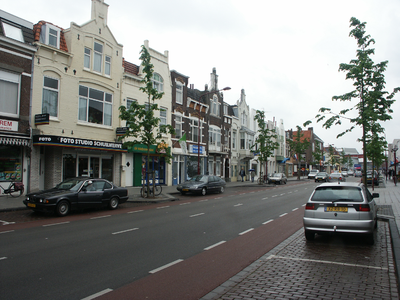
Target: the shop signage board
pixel 8 125
pixel 42 119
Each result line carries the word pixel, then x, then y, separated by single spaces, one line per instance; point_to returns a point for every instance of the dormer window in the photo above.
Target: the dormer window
pixel 13 32
pixel 50 35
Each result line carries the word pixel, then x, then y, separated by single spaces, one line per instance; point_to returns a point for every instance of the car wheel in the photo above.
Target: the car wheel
pixel 222 189
pixel 285 181
pixel 203 191
pixel 63 208
pixel 310 235
pixel 113 204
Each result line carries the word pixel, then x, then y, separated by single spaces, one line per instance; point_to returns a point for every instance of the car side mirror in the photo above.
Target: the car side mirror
pixel 375 195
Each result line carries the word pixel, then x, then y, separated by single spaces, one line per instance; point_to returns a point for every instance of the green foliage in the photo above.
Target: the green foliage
pixel 298 146
pixel 266 140
pixel 318 154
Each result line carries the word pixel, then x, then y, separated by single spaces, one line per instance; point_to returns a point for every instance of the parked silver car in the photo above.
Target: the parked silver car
pixel 341 207
pixel 277 178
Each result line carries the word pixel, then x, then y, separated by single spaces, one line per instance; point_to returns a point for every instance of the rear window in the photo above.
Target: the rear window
pixel 337 193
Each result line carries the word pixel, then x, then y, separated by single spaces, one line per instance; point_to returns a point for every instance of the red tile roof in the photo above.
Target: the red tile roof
pixel 37 28
pixel 130 67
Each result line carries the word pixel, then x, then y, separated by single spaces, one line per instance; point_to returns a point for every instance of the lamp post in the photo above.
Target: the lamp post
pixel 198 137
pixel 394 150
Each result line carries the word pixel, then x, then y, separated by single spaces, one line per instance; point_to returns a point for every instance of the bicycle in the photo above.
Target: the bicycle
pixel 157 190
pixel 15 189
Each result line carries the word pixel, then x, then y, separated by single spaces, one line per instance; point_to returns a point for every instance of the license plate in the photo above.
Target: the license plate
pixel 336 208
pixel 185 190
pixel 31 205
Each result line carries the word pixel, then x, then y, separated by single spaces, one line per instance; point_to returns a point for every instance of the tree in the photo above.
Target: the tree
pixel 375 149
pixel 298 146
pixel 369 81
pixel 318 154
pixel 141 123
pixel 265 141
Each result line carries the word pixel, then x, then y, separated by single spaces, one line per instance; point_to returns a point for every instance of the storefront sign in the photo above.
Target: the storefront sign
pixel 42 119
pixel 194 149
pixel 121 131
pixel 51 140
pixel 140 148
pixel 8 125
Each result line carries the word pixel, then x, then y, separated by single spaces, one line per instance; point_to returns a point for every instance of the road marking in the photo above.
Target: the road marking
pixel 162 207
pixel 328 262
pixel 166 266
pixel 100 217
pixel 215 245
pixel 282 215
pixel 7 231
pixel 264 198
pixel 268 221
pixel 218 198
pixel 242 194
pixel 2 258
pixel 282 194
pixel 196 215
pixel 304 204
pixel 186 203
pixel 135 211
pixel 290 192
pixel 274 196
pixel 240 204
pixel 248 230
pixel 98 294
pixel 6 223
pixel 55 224
pixel 294 209
pixel 123 231
pixel 205 200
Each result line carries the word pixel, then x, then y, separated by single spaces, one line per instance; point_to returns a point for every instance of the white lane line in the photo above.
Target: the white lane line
pixel 248 230
pixel 7 231
pixel 101 217
pixel 2 258
pixel 281 194
pixel 239 204
pixel 205 200
pixel 290 192
pixel 268 221
pixel 274 196
pixel 196 215
pixel 6 223
pixel 294 209
pixel 123 231
pixel 55 224
pixel 135 211
pixel 242 194
pixel 165 266
pixel 186 203
pixel 218 198
pixel 215 245
pixel 264 198
pixel 282 215
pixel 304 204
pixel 162 207
pixel 94 296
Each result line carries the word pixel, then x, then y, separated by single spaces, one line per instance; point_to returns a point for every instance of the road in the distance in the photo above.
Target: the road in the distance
pixel 74 259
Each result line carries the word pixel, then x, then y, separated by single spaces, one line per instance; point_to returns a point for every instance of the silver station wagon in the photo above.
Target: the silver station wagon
pixel 341 207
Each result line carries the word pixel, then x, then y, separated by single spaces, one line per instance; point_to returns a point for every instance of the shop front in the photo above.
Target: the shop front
pixel 59 158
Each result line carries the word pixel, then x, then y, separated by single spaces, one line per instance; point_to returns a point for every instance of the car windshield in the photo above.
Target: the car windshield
pixel 199 178
pixel 72 184
pixel 337 193
pixel 321 174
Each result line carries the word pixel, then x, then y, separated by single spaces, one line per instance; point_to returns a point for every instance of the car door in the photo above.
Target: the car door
pixel 212 184
pixel 91 194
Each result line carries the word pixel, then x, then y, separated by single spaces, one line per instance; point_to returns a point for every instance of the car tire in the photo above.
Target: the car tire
pixel 310 235
pixel 63 208
pixel 285 181
pixel 222 189
pixel 203 191
pixel 113 204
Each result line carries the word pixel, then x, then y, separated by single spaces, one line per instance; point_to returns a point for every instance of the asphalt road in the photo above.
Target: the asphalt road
pixel 183 249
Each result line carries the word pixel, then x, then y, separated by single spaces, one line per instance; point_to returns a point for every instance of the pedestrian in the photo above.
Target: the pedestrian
pixel 242 173
pixel 252 176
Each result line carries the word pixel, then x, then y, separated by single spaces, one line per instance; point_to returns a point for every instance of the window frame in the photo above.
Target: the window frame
pixel 158 82
pixel 107 65
pixel 178 126
pixel 107 105
pixel 87 58
pixel 13 32
pixel 45 35
pixel 179 93
pixel 13 78
pixel 97 54
pixel 194 130
pixel 51 89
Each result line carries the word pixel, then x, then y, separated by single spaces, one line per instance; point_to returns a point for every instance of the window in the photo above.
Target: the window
pixel 50 96
pixel 218 166
pixel 179 93
pixel 13 32
pixel 163 116
pixel 178 127
pixel 234 139
pixel 86 63
pixel 129 102
pixel 50 35
pixel 98 57
pixel 215 106
pixel 242 140
pixel 244 119
pixel 225 109
pixel 211 165
pixel 158 82
pixel 9 91
pixel 215 136
pixel 194 128
pixel 95 106
pixel 107 69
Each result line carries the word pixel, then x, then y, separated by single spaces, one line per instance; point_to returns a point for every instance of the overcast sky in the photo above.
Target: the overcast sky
pixel 284 54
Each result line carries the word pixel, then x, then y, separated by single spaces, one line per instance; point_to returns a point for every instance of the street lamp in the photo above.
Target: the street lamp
pixel 198 137
pixel 394 150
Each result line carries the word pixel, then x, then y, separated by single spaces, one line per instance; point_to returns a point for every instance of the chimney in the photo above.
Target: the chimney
pixel 214 80
pixel 100 12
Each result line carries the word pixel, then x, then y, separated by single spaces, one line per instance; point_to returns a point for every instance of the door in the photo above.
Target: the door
pixel 129 170
pixel 41 169
pixel 91 195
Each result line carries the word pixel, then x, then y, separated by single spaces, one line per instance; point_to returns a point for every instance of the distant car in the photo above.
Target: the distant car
pixel 358 174
pixel 345 174
pixel 278 178
pixel 350 173
pixel 336 176
pixel 312 173
pixel 77 193
pixel 202 184
pixel 374 177
pixel 322 176
pixel 341 207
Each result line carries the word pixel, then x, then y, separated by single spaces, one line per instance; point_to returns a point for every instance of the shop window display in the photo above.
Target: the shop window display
pixel 10 163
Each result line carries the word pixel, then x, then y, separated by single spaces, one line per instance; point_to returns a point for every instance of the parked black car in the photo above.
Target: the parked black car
pixel 202 184
pixel 77 193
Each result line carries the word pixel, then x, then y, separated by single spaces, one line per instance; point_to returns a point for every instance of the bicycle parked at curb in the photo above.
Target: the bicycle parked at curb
pixel 157 190
pixel 15 189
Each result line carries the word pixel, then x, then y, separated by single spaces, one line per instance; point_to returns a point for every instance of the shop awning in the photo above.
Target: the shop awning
pixel 12 141
pixel 285 160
